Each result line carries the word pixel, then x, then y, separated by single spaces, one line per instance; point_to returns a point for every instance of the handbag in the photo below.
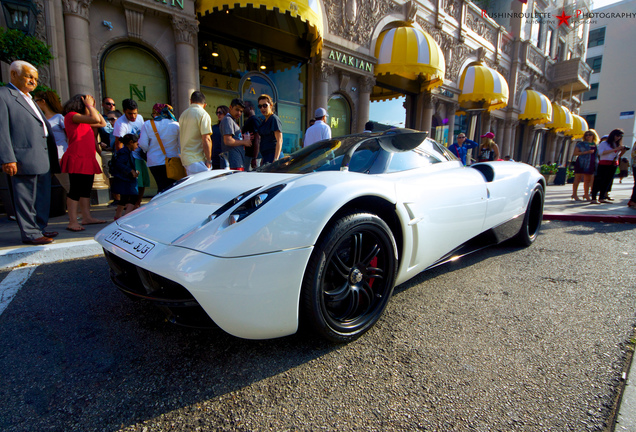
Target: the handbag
pixel 174 167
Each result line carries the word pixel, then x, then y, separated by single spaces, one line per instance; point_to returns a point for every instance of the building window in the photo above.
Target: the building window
pixel 560 54
pixel 548 43
pixel 537 31
pixel 596 37
pixel 591 120
pixel 592 94
pixel 595 63
pixel 132 72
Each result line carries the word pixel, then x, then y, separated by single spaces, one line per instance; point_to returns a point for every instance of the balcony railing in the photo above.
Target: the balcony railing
pixel 571 75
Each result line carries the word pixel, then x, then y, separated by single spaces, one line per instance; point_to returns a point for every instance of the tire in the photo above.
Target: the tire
pixel 349 278
pixel 532 219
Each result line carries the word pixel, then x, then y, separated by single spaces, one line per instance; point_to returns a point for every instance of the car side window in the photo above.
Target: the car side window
pixel 417 158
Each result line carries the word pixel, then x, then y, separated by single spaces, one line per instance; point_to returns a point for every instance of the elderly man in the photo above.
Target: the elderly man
pixel 461 147
pixel 28 153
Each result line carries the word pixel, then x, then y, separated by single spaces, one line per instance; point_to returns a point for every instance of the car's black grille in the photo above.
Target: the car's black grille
pixel 180 306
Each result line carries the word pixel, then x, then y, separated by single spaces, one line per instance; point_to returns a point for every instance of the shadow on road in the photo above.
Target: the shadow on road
pixel 76 354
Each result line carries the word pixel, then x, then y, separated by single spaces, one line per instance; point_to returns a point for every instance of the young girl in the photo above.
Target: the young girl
pixel 125 175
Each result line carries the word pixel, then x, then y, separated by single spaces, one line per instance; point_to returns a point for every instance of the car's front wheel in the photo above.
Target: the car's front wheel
pixel 350 277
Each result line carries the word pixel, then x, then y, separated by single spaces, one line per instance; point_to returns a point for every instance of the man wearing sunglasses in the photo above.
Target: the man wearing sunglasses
pixel 105 133
pixel 461 147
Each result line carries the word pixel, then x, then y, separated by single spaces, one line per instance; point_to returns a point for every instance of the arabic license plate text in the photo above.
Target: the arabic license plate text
pixel 130 243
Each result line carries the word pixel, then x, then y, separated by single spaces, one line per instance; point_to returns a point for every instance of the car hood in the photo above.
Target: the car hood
pixel 170 217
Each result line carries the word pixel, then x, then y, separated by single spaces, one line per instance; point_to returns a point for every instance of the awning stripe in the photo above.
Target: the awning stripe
pixel 562 119
pixel 535 107
pixel 482 87
pixel 408 52
pixel 579 127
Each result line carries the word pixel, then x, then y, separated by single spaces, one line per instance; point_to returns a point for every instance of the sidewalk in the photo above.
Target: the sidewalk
pixel 67 245
pixel 559 205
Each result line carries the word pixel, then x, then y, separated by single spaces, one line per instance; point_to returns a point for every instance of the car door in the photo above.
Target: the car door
pixel 446 203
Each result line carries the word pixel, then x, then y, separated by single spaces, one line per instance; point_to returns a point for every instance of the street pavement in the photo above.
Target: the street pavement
pixel 558 206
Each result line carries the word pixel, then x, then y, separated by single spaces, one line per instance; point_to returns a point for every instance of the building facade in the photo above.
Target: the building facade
pixel 328 53
pixel 611 102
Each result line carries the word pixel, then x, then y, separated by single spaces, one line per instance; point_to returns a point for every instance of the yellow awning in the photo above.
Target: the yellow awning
pixel 482 87
pixel 410 53
pixel 382 94
pixel 561 118
pixel 535 107
pixel 308 11
pixel 579 127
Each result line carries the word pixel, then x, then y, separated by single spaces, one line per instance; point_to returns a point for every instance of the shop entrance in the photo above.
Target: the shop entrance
pixel 269 55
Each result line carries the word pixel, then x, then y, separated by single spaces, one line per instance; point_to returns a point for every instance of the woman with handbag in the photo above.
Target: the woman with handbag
pixel 585 164
pixel 610 151
pixel 159 138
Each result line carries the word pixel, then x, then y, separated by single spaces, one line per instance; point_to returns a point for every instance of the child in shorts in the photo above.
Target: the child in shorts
pixel 125 175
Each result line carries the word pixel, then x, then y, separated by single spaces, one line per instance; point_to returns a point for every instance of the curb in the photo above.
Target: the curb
pixel 590 218
pixel 49 253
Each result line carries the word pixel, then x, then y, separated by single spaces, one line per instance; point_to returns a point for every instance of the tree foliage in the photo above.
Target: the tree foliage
pixel 15 45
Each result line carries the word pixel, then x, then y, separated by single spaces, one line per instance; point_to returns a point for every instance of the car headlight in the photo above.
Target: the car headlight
pixel 248 206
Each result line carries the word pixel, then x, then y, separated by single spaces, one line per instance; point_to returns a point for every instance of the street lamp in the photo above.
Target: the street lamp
pixel 20 15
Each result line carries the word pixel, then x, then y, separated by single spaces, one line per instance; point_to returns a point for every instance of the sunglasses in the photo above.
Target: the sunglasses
pixel 111 119
pixel 265 105
pixel 219 113
pixel 109 103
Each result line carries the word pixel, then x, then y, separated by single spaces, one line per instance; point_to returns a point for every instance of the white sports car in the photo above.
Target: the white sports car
pixel 320 237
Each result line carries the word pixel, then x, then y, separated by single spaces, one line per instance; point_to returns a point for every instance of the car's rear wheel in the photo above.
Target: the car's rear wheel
pixel 532 219
pixel 350 277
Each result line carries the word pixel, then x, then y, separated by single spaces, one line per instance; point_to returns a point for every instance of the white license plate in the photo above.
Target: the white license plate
pixel 130 243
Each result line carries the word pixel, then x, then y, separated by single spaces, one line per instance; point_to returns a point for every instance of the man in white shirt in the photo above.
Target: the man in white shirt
pixel 320 130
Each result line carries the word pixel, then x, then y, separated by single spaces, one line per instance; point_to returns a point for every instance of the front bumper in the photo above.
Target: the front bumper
pixel 253 297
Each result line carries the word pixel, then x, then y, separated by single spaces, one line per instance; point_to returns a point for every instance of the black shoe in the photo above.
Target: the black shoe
pixel 115 203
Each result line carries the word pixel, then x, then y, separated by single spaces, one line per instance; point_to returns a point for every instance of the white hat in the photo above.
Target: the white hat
pixel 320 112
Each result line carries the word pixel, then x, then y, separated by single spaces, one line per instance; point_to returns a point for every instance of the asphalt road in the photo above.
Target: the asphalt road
pixel 509 339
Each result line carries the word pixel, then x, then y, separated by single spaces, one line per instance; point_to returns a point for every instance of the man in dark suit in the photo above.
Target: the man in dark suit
pixel 27 153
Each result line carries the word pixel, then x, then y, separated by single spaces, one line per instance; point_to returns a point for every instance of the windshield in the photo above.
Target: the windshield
pixel 328 156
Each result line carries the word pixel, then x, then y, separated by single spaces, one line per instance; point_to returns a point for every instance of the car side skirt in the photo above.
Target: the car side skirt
pixel 490 237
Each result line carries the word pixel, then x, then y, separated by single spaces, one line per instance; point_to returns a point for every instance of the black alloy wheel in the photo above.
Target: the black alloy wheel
pixel 350 277
pixel 532 219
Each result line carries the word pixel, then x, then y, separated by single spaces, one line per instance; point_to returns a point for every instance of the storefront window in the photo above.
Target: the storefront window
pixel 339 116
pixel 238 71
pixel 131 72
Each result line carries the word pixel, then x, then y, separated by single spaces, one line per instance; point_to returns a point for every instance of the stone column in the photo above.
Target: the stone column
pixel 550 152
pixel 365 86
pixel 78 47
pixel 323 72
pixel 451 107
pixel 499 134
pixel 507 137
pixel 428 105
pixel 185 32
pixel 410 104
pixel 485 123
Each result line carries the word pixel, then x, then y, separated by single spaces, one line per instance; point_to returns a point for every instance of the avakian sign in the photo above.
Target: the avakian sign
pixel 350 60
